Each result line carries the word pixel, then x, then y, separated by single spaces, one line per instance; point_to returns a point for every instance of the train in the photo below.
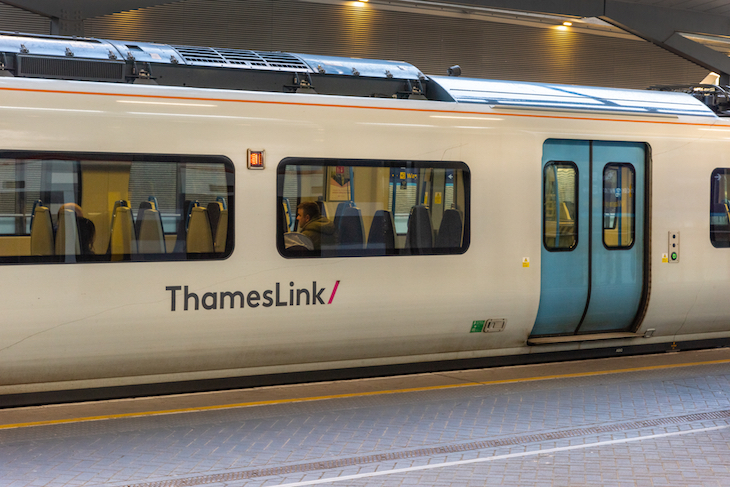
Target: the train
pixel 150 242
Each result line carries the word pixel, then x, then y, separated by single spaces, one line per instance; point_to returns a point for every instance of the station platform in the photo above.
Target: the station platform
pixel 652 420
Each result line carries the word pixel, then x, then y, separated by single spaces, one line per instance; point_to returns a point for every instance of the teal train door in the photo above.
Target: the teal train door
pixel 592 270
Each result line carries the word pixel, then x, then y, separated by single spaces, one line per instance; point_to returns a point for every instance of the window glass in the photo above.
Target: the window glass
pixel 159 181
pixel 363 207
pixel 618 205
pixel 97 207
pixel 720 208
pixel 560 190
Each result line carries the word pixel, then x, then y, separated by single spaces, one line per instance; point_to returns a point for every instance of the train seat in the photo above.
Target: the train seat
pixel 449 235
pixel 221 233
pixel 214 212
pixel 67 234
pixel 144 205
pixel 150 236
pixel 382 232
pixel 285 216
pixel 419 235
pixel 218 216
pixel 199 239
pixel 122 240
pixel 565 213
pixel 338 212
pixel 286 206
pixel 182 227
pixel 322 208
pixel 41 232
pixel 351 229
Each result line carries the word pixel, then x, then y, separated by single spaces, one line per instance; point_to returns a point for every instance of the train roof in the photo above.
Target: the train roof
pixel 551 96
pixel 90 59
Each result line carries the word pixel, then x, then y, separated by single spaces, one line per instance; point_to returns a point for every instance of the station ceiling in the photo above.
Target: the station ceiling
pixel 671 24
pixel 698 30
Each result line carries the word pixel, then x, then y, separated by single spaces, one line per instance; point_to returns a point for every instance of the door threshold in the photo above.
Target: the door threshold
pixel 581 338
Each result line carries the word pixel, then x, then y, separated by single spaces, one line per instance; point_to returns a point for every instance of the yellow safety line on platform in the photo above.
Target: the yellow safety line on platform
pixel 351 394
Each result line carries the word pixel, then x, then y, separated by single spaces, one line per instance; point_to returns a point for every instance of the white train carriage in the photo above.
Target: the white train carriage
pixel 147 230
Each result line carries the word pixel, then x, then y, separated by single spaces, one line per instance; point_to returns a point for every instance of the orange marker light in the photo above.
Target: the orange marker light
pixel 255 159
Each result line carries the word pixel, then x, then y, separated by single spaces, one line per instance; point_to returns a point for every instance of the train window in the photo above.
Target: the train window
pixel 560 191
pixel 618 205
pixel 720 208
pixel 345 207
pixel 72 207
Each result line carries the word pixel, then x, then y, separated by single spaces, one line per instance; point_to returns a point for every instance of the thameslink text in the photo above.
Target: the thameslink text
pixel 252 299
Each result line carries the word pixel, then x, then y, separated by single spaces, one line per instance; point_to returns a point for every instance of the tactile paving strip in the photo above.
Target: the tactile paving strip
pixel 427 452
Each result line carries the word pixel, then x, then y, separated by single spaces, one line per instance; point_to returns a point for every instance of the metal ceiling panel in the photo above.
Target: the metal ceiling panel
pixel 718 7
pixel 13 19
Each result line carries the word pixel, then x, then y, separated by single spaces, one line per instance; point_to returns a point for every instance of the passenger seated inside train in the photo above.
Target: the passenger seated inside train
pixel 320 230
pixel 74 232
pixel 87 233
pixel 377 208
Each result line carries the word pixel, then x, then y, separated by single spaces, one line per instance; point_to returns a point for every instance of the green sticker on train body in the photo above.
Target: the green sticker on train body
pixel 477 326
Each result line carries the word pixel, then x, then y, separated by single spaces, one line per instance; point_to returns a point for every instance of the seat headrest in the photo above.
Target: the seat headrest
pixel 382 232
pixel 450 230
pixel 420 232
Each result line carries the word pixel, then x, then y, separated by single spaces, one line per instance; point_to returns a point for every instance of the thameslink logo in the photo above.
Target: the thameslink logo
pixel 254 299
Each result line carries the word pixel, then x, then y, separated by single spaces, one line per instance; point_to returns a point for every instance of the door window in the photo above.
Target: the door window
pixel 720 207
pixel 618 205
pixel 560 189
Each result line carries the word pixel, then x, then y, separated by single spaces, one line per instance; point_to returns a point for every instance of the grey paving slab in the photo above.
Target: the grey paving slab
pixel 669 466
pixel 362 435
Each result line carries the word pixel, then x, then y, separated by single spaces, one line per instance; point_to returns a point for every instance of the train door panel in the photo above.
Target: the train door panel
pixel 617 242
pixel 564 255
pixel 593 242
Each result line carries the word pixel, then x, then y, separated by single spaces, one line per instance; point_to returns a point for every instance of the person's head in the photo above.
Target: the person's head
pixel 307 212
pixel 87 233
pixel 71 206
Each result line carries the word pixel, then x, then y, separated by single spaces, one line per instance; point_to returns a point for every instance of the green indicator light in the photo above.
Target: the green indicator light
pixel 674 256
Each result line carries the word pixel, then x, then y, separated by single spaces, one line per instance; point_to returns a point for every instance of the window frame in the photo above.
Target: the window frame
pixel 713 197
pixel 603 208
pixel 374 163
pixel 577 206
pixel 87 156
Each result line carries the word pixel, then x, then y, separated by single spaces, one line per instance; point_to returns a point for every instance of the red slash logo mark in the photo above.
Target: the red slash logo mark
pixel 333 292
